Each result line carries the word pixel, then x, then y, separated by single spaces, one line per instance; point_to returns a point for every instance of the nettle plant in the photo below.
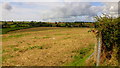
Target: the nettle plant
pixel 109 30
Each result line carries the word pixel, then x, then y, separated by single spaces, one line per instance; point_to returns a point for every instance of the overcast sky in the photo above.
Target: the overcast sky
pixel 56 11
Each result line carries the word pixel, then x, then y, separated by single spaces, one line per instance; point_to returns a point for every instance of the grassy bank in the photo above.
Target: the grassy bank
pixel 82 55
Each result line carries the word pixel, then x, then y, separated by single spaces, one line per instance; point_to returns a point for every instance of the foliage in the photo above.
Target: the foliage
pixel 82 55
pixel 5 30
pixel 11 25
pixel 108 30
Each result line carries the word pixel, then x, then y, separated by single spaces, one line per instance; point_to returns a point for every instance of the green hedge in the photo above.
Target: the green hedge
pixel 110 30
pixel 5 30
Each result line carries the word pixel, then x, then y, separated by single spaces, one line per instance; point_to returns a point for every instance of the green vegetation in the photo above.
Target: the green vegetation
pixel 4 51
pixel 107 28
pixel 11 26
pixel 46 37
pixel 109 32
pixel 38 47
pixel 19 45
pixel 82 55
pixel 67 37
pixel 28 44
pixel 12 46
pixel 6 57
pixel 30 48
pixel 5 30
pixel 18 35
pixel 15 49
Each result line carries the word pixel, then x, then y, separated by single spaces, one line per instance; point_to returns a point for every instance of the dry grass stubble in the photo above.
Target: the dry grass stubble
pixel 57 46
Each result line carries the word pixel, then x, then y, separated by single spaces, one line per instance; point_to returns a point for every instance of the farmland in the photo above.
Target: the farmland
pixel 47 46
pixel 61 43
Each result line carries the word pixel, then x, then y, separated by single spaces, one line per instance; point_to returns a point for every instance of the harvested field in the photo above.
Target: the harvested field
pixel 47 46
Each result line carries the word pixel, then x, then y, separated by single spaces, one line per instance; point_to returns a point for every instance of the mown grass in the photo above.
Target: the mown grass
pixel 14 36
pixel 14 49
pixel 6 30
pixel 81 57
pixel 28 45
pixel 18 35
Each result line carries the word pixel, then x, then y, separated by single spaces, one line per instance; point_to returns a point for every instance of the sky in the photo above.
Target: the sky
pixel 55 11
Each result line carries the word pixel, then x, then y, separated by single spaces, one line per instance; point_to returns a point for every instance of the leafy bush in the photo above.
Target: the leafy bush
pixel 108 30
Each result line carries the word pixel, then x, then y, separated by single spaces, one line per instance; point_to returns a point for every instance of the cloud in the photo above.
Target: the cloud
pixel 111 8
pixel 7 6
pixel 0 12
pixel 91 0
pixel 56 11
pixel 70 10
pixel 31 0
pixel 60 0
pixel 81 11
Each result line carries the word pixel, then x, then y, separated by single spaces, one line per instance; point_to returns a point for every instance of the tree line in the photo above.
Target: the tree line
pixel 11 24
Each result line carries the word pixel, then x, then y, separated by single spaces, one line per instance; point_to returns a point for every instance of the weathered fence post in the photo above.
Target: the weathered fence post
pixel 99 49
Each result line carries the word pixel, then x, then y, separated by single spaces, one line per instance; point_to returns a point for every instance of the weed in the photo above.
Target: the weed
pixel 13 61
pixel 28 44
pixel 11 46
pixel 23 50
pixel 15 49
pixel 35 38
pixel 4 51
pixel 17 55
pixel 46 37
pixel 32 47
pixel 4 58
pixel 67 37
pixel 39 47
pixel 20 42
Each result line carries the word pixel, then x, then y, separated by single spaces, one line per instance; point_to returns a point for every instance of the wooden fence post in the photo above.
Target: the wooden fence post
pixel 99 49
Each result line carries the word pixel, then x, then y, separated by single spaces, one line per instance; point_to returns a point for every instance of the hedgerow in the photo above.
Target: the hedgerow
pixel 109 31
